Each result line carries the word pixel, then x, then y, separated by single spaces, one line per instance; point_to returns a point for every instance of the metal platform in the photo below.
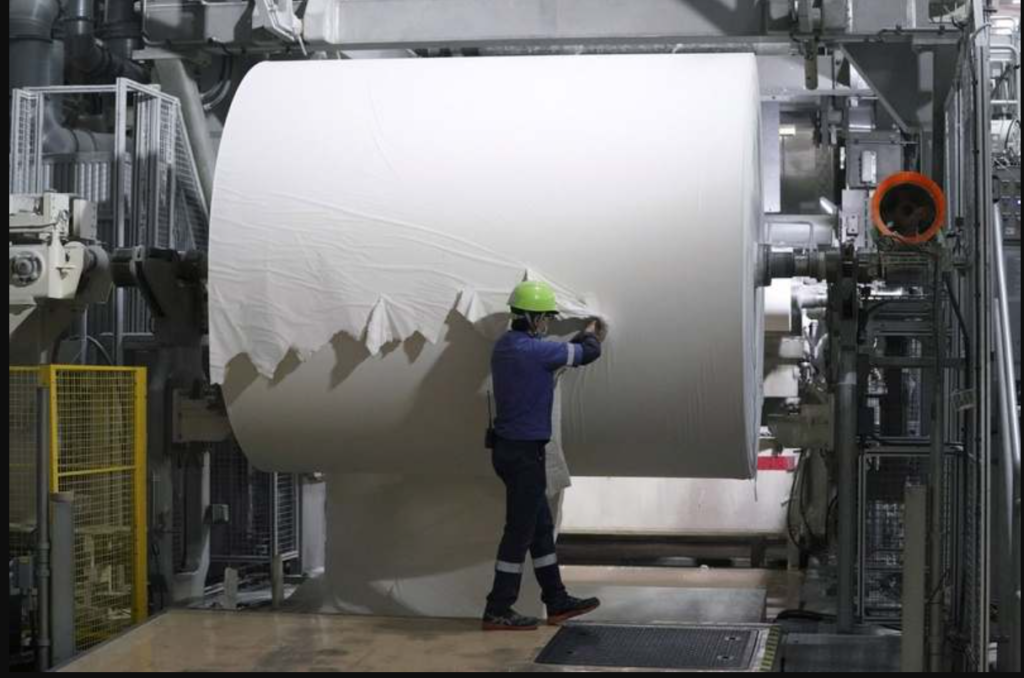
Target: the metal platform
pixel 667 647
pixel 827 653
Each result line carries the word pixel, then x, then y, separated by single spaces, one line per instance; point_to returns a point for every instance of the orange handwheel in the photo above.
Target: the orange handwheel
pixel 909 207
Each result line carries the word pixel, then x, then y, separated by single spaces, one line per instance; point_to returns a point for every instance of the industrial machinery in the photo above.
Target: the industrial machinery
pixel 891 150
pixel 55 268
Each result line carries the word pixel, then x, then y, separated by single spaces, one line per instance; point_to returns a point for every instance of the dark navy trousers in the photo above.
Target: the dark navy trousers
pixel 529 525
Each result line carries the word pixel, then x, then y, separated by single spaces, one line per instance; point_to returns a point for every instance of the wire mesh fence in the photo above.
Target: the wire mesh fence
pixel 96 435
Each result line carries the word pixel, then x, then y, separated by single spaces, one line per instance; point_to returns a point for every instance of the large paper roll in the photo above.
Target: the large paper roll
pixel 370 218
pixel 369 221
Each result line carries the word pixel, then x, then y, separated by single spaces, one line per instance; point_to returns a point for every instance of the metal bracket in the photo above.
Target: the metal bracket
pixel 964 400
pixel 173 285
pixel 278 17
pixel 809 428
pixel 198 420
pixel 21 574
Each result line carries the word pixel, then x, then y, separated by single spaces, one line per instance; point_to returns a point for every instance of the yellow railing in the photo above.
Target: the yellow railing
pixel 97 436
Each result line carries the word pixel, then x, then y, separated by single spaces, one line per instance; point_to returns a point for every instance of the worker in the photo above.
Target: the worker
pixel 524 367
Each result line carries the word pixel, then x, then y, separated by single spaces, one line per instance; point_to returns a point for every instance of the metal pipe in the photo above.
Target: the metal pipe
pixel 775 264
pixel 277 582
pixel 94 58
pixel 121 198
pixel 276 561
pixel 1009 585
pixel 63 578
pixel 977 635
pixel 1015 611
pixel 83 338
pixel 1007 371
pixel 846 434
pixel 961 322
pixel 1003 503
pixel 34 58
pixel 1014 53
pixel 762 48
pixel 915 594
pixel 217 94
pixel 807 298
pixel 937 484
pixel 122 28
pixel 43 525
pixel 1011 49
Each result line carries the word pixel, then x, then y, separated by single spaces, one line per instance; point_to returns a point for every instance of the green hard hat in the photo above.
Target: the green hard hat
pixel 534 296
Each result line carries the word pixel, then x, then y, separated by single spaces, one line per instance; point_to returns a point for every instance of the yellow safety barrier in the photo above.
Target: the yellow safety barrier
pixel 97 432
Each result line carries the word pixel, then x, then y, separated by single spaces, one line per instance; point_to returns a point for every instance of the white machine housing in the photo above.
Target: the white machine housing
pixel 48 240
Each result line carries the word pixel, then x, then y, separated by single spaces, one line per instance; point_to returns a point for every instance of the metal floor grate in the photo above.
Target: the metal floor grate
pixel 693 648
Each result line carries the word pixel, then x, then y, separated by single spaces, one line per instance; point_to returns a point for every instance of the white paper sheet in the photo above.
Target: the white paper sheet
pixel 677 506
pixel 378 200
pixel 398 546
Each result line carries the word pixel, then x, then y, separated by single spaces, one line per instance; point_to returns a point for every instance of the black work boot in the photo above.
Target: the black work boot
pixel 570 608
pixel 509 621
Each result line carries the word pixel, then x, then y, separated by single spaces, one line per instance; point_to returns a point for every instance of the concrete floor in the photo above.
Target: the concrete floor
pixel 192 640
pixel 783 588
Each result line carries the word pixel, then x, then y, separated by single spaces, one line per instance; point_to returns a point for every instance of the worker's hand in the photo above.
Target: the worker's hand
pixel 598 328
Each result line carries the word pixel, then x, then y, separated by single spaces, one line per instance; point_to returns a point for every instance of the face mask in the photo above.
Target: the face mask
pixel 541 325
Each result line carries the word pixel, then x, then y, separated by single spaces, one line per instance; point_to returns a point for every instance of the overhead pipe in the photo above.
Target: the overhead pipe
pixel 96 59
pixel 35 59
pixel 122 28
